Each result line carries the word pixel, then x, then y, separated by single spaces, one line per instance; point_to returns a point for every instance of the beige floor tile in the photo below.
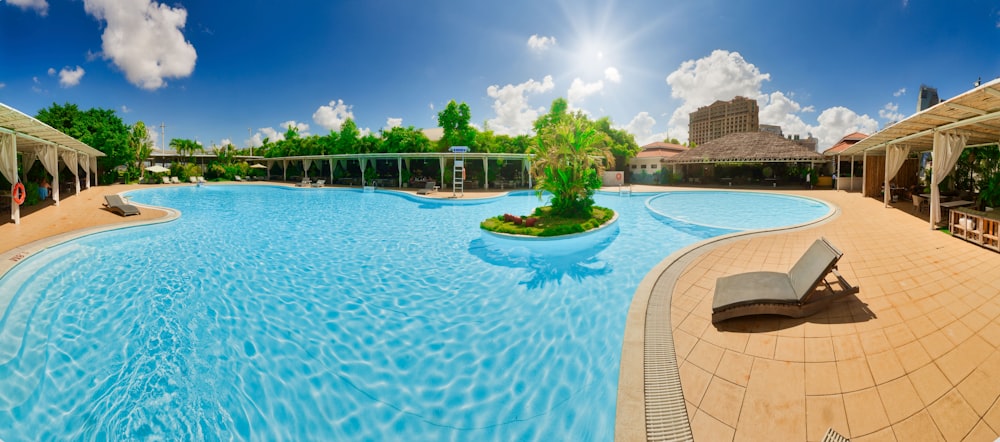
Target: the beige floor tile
pixel 980 389
pixel 774 404
pixel 883 435
pixel 899 335
pixel 991 333
pixel 694 382
pixel 900 399
pixel 762 345
pixel 992 417
pixel 865 413
pixel 919 427
pixel 683 343
pixel 958 363
pixel 874 342
pixel 975 321
pixel 953 415
pixel 705 427
pixel 723 401
pixel 936 344
pixel 822 378
pixel 854 375
pixel 930 383
pixel 735 367
pixel 790 349
pixel 885 366
pixel 823 412
pixel 957 332
pixel 982 432
pixel 921 326
pixel 819 350
pixel 705 355
pixel 847 347
pixel 912 356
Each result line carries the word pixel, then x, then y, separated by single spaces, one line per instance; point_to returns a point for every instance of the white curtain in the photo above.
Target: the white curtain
pixel 305 167
pixel 50 160
pixel 93 169
pixel 69 157
pixel 947 148
pixel 8 157
pixel 27 160
pixel 895 155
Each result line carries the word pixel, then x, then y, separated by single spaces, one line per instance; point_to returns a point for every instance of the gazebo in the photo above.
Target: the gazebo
pixel 971 119
pixel 35 140
pixel 746 147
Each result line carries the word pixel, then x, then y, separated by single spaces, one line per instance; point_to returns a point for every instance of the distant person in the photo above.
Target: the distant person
pixel 834 179
pixel 44 188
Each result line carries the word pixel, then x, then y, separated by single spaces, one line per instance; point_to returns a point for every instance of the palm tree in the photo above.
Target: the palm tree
pixel 186 147
pixel 568 163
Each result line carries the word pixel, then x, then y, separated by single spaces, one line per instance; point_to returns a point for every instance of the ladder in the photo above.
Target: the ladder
pixel 625 190
pixel 458 179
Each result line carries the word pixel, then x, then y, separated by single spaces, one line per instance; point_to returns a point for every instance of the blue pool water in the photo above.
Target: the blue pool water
pixel 325 314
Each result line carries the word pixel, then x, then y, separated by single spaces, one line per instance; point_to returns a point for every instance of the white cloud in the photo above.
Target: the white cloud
pixel 70 77
pixel 393 122
pixel 52 72
pixel 40 6
pixel 611 74
pixel 144 39
pixel 514 116
pixel 901 91
pixel 332 116
pixel 225 142
pixel 724 75
pixel 271 134
pixel 3 85
pixel 540 44
pixel 890 112
pixel 719 76
pixel 578 91
pixel 303 128
pixel 642 126
pixel 125 110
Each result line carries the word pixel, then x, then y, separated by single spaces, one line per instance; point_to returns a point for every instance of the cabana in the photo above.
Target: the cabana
pixel 971 119
pixel 746 147
pixel 35 140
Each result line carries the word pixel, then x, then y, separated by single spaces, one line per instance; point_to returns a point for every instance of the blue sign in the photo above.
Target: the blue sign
pixel 458 149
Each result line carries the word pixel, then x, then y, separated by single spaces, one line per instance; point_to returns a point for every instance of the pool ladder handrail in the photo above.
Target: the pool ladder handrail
pixel 625 190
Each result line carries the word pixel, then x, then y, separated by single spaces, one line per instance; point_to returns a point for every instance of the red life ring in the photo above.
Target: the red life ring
pixel 19 193
pixel 618 176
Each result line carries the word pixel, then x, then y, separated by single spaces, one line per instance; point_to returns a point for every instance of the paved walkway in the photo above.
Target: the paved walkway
pixel 914 356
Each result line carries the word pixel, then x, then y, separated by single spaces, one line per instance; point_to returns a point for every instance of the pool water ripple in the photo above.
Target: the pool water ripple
pixel 276 313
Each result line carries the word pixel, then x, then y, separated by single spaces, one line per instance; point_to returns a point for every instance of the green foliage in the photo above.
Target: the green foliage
pixel 140 145
pixel 99 128
pixel 565 165
pixel 454 119
pixel 31 196
pixel 548 224
pixel 186 147
pixel 185 170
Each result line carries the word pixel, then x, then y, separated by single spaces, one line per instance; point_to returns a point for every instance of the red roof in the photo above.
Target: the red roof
pixel 844 143
pixel 661 149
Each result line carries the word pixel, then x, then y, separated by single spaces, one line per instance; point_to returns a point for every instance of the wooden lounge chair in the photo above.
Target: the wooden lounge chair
pixel 801 292
pixel 429 188
pixel 117 204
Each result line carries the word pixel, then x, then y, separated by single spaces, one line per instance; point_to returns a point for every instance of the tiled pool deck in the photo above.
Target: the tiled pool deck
pixel 915 355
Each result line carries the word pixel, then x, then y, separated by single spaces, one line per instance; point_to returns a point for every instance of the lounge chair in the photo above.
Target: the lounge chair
pixel 429 188
pixel 117 204
pixel 175 180
pixel 193 180
pixel 237 178
pixel 801 292
pixel 166 180
pixel 201 179
pixel 305 183
pixel 319 183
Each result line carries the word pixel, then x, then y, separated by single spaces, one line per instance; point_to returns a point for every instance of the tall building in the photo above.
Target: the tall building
pixel 770 128
pixel 741 114
pixel 928 97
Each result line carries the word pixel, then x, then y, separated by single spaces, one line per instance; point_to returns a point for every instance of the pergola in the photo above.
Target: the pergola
pixel 35 140
pixel 971 119
pixel 402 159
pixel 747 147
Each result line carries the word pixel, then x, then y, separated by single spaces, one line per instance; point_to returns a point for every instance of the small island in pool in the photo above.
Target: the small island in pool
pixel 542 223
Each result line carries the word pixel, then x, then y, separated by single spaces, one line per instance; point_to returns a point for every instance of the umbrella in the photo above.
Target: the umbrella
pixel 157 169
pixel 258 166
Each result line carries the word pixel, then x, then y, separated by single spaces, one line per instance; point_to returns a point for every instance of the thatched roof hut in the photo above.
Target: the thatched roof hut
pixel 748 147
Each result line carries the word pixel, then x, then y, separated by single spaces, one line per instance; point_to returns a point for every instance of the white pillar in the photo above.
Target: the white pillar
pixel 864 174
pixel 486 173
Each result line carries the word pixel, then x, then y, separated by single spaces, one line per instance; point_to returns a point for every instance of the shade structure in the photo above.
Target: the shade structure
pixel 157 169
pixel 258 166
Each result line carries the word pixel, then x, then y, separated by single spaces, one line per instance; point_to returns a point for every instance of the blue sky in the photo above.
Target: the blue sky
pixel 211 70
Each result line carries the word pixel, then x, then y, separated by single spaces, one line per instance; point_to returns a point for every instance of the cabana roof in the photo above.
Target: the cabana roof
pixel 975 113
pixel 747 147
pixel 32 134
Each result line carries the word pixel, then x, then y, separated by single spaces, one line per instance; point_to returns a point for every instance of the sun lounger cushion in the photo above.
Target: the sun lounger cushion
pixel 116 204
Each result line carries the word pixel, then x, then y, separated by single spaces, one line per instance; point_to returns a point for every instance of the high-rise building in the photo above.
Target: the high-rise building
pixel 928 97
pixel 741 114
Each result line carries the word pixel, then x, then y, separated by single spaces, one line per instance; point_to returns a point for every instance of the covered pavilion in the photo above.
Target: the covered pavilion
pixel 971 119
pixel 402 160
pixel 746 147
pixel 27 137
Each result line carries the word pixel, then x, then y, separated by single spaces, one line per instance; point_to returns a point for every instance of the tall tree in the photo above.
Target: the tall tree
pixel 454 119
pixel 567 164
pixel 186 147
pixel 140 144
pixel 98 128
pixel 349 137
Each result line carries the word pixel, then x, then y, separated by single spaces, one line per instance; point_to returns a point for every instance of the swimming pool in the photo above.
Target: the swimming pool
pixel 280 313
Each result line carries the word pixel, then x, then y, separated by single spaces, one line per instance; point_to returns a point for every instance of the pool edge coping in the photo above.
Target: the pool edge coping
pixel 650 403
